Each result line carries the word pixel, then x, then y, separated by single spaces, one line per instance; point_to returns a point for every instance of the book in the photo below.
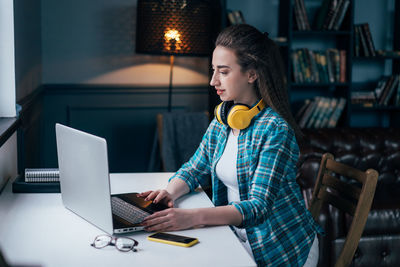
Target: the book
pixel 364 46
pixel 307 114
pixel 235 17
pixel 321 14
pixel 341 15
pixel 331 12
pixel 336 58
pixel 323 61
pixel 368 38
pixel 313 67
pixel 386 89
pixel 356 42
pixel 335 14
pixel 239 17
pixel 330 65
pixel 297 77
pixel 304 16
pixel 231 18
pixel 316 112
pixel 379 88
pixel 328 114
pixel 41 175
pixel 302 110
pixel 297 15
pixel 397 99
pixel 391 90
pixel 333 120
pixel 324 109
pixel 342 60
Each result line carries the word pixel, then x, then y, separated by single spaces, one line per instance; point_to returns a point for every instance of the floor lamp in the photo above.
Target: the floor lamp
pixel 174 28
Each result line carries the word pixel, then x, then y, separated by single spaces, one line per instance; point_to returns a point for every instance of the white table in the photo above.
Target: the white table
pixel 37 229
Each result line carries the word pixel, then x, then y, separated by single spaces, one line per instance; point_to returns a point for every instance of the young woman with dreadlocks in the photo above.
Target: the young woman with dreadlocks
pixel 250 150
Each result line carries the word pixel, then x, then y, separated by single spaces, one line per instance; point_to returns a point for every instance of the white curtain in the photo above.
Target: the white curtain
pixel 7 59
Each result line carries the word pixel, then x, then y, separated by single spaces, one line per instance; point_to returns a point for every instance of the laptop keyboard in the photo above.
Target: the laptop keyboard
pixel 127 211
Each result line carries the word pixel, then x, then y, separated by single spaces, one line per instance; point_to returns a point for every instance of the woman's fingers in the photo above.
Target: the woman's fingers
pixel 155 215
pixel 152 195
pixel 163 195
pixel 144 194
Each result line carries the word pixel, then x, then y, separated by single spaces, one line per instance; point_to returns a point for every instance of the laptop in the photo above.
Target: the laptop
pixel 85 184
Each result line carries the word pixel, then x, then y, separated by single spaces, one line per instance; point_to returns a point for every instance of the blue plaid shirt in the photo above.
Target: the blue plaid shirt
pixel 279 228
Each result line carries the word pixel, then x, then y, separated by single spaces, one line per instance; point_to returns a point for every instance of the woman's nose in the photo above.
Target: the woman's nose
pixel 214 80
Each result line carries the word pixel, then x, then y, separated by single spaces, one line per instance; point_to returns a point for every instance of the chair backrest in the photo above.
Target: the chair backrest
pixel 179 135
pixel 351 191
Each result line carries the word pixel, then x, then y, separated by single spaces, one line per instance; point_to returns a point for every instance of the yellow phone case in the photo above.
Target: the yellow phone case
pixel 173 242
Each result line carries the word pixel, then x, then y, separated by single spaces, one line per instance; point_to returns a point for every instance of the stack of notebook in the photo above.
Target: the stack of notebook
pixel 38 181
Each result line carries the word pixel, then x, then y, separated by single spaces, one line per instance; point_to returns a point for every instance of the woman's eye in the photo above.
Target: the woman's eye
pixel 223 72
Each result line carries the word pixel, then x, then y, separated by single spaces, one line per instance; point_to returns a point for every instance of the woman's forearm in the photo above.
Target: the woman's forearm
pixel 223 215
pixel 177 188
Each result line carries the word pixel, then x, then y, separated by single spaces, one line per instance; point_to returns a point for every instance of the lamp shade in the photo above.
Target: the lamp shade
pixel 167 27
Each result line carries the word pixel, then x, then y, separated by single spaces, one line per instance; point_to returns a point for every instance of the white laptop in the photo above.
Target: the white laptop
pixel 85 184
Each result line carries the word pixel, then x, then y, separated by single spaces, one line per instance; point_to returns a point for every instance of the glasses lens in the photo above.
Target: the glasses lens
pixel 124 244
pixel 102 241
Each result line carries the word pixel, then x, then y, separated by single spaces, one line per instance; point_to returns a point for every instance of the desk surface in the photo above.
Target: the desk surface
pixel 37 229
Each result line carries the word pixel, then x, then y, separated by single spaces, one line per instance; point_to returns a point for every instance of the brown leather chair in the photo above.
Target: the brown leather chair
pixel 351 191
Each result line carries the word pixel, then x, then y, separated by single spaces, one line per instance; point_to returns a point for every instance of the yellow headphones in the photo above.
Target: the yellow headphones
pixel 237 116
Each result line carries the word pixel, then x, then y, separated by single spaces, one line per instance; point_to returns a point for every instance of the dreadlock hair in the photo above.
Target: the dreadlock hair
pixel 254 50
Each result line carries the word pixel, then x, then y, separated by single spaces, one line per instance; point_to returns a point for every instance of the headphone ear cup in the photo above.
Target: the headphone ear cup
pixel 224 111
pixel 238 117
pixel 217 112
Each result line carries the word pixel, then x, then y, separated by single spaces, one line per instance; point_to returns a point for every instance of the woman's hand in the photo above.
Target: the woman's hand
pixel 172 219
pixel 158 196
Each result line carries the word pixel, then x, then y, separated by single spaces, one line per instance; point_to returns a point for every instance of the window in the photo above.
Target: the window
pixel 7 61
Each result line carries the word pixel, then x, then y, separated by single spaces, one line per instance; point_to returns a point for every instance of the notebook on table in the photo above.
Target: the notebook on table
pixel 85 184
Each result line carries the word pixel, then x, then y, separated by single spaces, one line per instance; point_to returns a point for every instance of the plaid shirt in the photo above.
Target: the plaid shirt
pixel 279 228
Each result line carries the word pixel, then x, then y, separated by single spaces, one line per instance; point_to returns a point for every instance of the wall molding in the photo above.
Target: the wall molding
pixel 124 89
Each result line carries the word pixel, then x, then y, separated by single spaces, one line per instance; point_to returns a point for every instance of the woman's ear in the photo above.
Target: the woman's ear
pixel 251 76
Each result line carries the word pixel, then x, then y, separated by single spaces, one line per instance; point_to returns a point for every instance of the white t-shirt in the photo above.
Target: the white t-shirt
pixel 226 172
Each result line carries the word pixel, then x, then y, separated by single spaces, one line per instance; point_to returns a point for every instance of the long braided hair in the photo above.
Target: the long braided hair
pixel 254 50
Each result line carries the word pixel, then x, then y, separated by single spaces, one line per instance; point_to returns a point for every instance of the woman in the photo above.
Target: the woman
pixel 252 167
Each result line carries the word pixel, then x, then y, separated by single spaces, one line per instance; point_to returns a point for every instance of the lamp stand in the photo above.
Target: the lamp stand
pixel 171 63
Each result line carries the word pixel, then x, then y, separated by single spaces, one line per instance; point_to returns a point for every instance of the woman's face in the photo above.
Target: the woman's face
pixel 230 82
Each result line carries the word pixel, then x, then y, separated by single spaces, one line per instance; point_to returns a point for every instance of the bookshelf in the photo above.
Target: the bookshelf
pixel 342 39
pixel 317 40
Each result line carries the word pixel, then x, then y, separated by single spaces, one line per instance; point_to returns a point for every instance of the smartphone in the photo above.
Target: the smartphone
pixel 177 240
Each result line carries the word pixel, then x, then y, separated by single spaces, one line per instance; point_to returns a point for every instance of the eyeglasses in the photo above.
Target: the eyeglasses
pixel 123 244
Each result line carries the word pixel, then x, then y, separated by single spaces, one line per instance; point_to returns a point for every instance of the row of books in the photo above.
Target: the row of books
pixel 363 43
pixel 236 17
pixel 387 92
pixel 329 16
pixel 300 15
pixel 321 112
pixel 319 66
pixel 388 53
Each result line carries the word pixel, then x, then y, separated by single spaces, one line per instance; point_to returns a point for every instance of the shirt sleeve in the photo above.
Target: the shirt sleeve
pixel 198 168
pixel 277 157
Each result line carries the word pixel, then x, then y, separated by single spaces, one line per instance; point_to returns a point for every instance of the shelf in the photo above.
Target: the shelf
pixel 375 108
pixel 318 84
pixel 324 33
pixel 376 58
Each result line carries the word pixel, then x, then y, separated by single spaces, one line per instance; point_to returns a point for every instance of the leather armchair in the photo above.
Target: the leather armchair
pixel 377 148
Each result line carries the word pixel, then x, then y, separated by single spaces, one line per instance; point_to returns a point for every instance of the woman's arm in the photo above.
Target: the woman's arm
pixel 178 219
